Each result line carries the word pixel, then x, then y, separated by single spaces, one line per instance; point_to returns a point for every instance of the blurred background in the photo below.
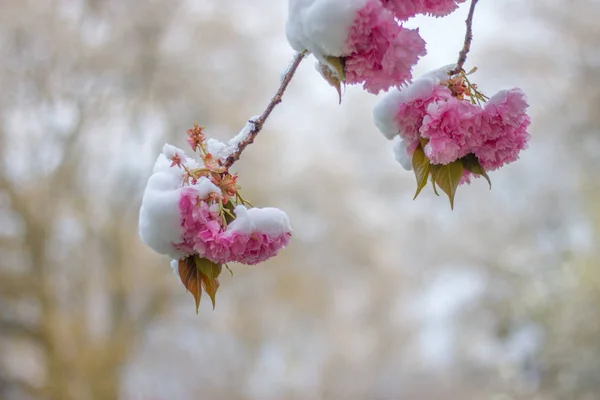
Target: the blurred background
pixel 377 297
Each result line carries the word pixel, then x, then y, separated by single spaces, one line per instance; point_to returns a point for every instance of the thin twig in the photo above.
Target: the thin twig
pixel 260 121
pixel 462 56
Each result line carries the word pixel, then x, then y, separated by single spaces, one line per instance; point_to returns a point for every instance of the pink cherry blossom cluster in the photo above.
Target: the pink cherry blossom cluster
pixel 405 9
pixel 452 119
pixel 193 208
pixel 380 53
pixel 363 41
pixel 243 240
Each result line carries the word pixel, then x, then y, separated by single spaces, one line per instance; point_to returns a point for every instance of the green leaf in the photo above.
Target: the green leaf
pixel 332 78
pixel 337 65
pixel 434 187
pixel 208 268
pixel 191 278
pixel 230 207
pixel 472 71
pixel 448 177
pixel 209 272
pixel 471 164
pixel 421 167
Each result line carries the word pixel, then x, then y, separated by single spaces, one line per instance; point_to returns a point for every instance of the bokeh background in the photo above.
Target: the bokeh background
pixel 377 297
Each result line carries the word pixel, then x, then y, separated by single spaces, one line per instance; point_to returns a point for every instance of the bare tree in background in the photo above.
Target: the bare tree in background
pixel 87 88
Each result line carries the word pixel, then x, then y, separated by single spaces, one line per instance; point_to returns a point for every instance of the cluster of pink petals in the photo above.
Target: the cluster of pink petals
pixel 405 9
pixel 252 248
pixel 203 234
pixel 495 133
pixel 409 117
pixel 506 131
pixel 381 53
pixel 453 127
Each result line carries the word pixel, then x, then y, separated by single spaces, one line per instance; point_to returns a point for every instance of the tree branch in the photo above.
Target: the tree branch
pixel 15 328
pixel 462 56
pixel 258 123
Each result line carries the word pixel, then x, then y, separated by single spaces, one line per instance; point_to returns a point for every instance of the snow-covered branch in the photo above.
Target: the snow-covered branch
pixel 260 121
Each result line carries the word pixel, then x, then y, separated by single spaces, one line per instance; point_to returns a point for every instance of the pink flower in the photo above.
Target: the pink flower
pixel 255 247
pixel 409 116
pixel 405 9
pixel 200 222
pixel 453 128
pixel 508 107
pixel 254 236
pixel 466 178
pixel 380 53
pixel 505 148
pixel 507 132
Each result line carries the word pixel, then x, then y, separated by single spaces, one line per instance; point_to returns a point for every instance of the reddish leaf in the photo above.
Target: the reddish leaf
pixel 210 287
pixel 191 278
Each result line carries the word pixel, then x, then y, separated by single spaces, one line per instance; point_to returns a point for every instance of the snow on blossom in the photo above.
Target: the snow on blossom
pixel 159 225
pixel 440 74
pixel 182 217
pixel 436 111
pixel 376 50
pixel 403 153
pixel 321 26
pixel 256 234
pixel 402 110
pixel 405 9
pixel 222 150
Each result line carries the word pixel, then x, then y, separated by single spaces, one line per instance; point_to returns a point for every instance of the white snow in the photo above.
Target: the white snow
pixel 221 150
pixel 218 149
pixel 385 110
pixel 440 74
pixel 169 151
pixel 270 221
pixel 159 220
pixel 159 215
pixel 321 26
pixel 402 155
pixel 175 267
pixel 204 187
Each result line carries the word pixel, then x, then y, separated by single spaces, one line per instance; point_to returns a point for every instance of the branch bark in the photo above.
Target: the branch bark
pixel 260 121
pixel 462 56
